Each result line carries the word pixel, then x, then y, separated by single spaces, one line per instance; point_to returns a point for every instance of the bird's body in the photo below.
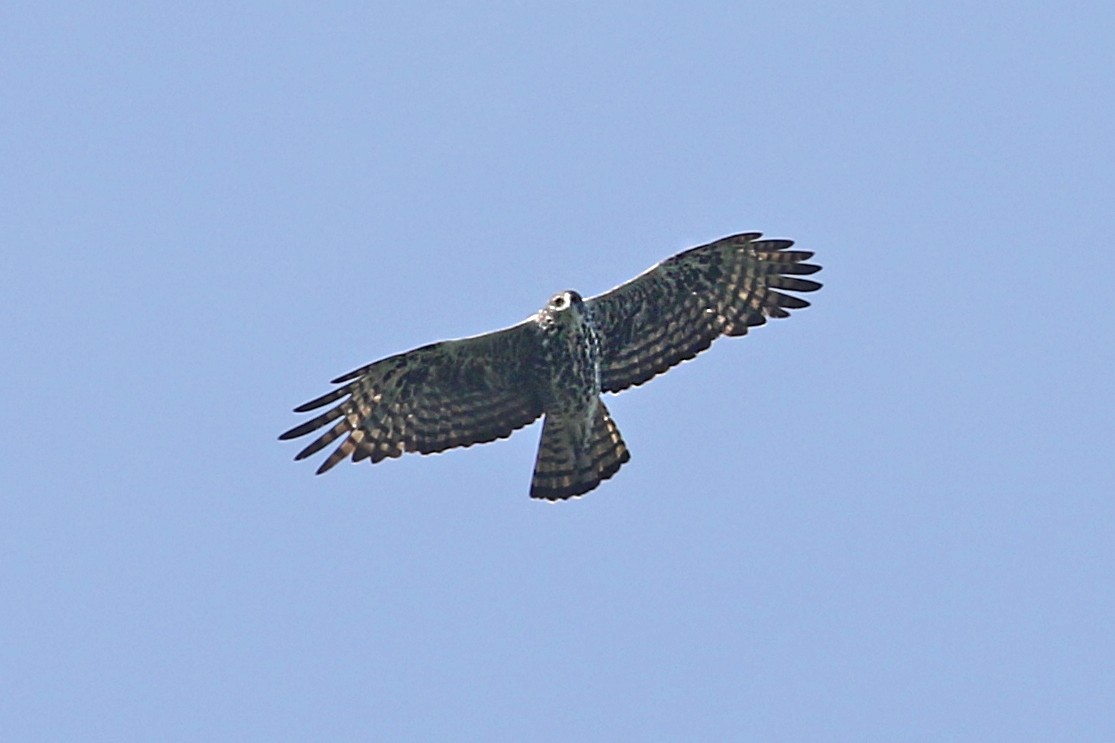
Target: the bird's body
pixel 557 363
pixel 569 377
pixel 580 443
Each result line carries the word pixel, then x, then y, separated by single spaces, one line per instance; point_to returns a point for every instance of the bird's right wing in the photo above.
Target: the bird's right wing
pixel 453 393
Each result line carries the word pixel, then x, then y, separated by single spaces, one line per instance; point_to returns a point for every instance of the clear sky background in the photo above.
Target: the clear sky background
pixel 889 517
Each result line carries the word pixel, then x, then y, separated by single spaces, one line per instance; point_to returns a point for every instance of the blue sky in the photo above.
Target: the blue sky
pixel 889 517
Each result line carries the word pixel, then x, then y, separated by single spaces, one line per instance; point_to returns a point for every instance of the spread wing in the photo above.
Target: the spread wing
pixel 453 393
pixel 676 309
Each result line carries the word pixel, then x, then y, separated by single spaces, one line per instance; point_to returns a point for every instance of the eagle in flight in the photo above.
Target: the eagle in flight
pixel 557 363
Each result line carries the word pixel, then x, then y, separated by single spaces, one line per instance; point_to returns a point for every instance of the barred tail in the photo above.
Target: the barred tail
pixel 572 461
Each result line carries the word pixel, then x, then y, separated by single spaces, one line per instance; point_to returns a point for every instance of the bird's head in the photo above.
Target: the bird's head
pixel 563 310
pixel 565 301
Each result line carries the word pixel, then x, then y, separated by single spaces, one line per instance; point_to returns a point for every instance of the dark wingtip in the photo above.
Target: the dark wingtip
pixel 300 430
pixel 349 376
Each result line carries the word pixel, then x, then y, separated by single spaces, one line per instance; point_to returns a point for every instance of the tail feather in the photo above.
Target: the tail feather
pixel 571 461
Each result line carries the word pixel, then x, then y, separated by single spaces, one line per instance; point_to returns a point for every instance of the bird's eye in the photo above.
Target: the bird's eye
pixel 559 301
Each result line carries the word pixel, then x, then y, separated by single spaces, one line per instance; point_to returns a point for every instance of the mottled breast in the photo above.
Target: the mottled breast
pixel 570 353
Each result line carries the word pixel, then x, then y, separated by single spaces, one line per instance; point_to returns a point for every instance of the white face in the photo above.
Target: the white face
pixel 564 300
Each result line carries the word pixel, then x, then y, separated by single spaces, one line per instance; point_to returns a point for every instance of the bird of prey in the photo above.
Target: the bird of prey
pixel 557 363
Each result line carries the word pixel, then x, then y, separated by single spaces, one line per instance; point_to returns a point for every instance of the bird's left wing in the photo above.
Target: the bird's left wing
pixel 676 309
pixel 453 393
